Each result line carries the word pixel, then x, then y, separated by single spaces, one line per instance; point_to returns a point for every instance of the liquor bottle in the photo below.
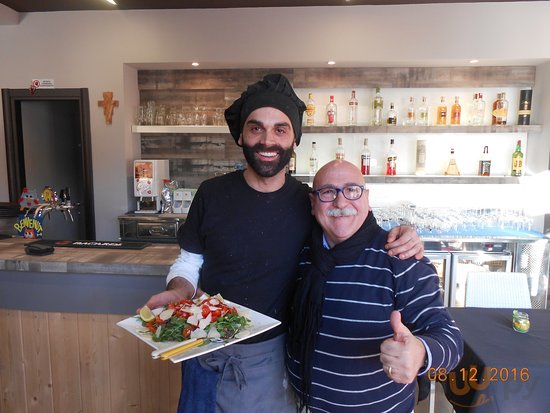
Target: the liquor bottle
pixel 331 112
pixel 478 109
pixel 494 119
pixel 452 168
pixel 500 110
pixel 292 163
pixel 365 158
pixel 313 159
pixel 392 115
pixel 485 163
pixel 340 154
pixel 377 107
pixel 352 109
pixel 420 157
pixel 310 110
pixel 524 112
pixel 455 112
pixel 517 161
pixel 423 113
pixel 391 160
pixel 411 113
pixel 442 112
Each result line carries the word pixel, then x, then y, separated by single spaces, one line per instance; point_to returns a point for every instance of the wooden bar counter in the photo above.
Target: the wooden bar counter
pixel 60 348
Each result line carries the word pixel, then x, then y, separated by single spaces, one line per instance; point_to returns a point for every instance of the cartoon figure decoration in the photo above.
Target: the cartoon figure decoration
pixel 31 225
pixel 28 199
pixel 48 195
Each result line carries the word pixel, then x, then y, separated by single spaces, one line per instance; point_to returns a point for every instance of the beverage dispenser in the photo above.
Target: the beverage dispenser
pixel 148 181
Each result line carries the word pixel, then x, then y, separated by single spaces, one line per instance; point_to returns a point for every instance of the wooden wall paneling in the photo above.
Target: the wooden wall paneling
pixel 194 158
pixel 93 340
pixel 65 359
pixel 154 382
pixel 174 376
pixel 415 77
pixel 323 78
pixel 36 353
pixel 204 78
pixel 472 76
pixel 124 368
pixel 12 372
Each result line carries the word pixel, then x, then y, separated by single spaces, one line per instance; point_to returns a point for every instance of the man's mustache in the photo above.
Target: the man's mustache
pixel 341 212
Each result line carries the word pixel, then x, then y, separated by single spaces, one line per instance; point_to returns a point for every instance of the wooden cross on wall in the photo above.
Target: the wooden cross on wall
pixel 108 105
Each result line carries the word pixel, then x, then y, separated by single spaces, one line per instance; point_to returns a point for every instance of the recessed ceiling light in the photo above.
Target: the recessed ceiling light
pixel 195 64
pixel 474 61
pixel 112 2
pixel 331 62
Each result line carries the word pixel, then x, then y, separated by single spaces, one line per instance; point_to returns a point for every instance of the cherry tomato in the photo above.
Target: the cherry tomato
pixel 151 327
pixel 186 332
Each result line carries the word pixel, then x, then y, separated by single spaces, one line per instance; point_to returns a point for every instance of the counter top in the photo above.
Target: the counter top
pixel 154 259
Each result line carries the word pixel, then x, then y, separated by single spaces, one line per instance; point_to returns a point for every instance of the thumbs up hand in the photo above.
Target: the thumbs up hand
pixel 403 355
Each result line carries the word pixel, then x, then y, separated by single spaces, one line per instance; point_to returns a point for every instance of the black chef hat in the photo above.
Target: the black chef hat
pixel 273 91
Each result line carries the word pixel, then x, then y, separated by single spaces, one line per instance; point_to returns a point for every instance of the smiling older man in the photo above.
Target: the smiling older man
pixel 365 324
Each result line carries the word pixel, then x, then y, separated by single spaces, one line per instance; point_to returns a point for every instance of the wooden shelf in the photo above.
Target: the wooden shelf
pixel 354 129
pixel 428 179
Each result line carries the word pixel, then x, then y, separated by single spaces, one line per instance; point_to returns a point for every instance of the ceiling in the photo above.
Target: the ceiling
pixel 24 6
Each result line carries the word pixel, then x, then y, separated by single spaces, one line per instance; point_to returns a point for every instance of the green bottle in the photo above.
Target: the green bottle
pixel 517 161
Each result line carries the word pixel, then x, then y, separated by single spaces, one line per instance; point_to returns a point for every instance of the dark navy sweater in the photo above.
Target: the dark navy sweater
pixel 347 374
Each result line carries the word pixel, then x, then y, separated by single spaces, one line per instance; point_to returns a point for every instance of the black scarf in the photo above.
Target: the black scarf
pixel 307 303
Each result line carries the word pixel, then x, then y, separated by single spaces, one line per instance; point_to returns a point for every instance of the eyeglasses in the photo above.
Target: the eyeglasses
pixel 350 192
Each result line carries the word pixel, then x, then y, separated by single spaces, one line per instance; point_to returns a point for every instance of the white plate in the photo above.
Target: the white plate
pixel 259 323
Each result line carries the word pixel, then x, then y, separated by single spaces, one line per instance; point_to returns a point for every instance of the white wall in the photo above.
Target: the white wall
pixel 90 49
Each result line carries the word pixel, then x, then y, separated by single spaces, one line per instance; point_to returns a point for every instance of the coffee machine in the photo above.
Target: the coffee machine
pixel 149 176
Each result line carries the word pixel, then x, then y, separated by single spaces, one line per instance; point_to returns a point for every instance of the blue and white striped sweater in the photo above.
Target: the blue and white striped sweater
pixel 347 374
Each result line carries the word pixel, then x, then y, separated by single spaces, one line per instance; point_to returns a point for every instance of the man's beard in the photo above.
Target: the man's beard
pixel 266 169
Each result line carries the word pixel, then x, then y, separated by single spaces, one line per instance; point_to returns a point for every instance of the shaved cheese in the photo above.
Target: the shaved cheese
pixel 198 333
pixel 194 310
pixel 213 333
pixel 166 314
pixel 193 320
pixel 205 321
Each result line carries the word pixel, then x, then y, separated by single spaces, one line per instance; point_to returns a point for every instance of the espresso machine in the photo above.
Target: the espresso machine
pixel 149 176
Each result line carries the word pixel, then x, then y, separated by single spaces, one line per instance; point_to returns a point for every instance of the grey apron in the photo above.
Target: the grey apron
pixel 240 378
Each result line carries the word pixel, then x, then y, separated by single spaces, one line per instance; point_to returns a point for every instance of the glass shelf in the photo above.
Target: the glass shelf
pixel 428 179
pixel 354 129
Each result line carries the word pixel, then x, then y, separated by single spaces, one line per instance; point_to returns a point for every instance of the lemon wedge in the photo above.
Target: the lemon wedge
pixel 146 314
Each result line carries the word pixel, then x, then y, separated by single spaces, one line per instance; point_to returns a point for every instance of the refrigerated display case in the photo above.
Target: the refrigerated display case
pixel 466 262
pixel 455 260
pixel 442 262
